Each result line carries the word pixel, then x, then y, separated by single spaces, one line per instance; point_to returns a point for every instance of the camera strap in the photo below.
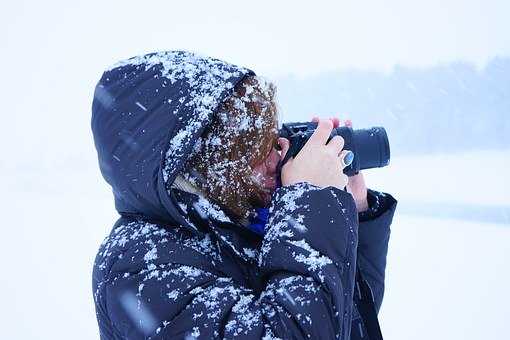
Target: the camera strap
pixel 364 299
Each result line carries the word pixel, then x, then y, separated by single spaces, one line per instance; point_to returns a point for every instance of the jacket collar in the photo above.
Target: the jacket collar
pixel 204 216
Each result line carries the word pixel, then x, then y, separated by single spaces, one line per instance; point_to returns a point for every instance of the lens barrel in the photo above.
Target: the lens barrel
pixel 373 147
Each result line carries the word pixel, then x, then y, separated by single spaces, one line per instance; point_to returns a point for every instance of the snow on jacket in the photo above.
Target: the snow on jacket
pixel 175 265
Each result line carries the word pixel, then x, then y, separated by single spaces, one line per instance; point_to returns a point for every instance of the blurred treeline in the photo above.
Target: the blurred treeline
pixel 450 107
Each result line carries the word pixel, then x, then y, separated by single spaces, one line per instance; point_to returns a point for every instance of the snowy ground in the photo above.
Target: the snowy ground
pixel 448 268
pixel 447 277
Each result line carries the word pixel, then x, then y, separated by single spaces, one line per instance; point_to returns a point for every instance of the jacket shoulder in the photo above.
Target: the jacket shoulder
pixel 138 245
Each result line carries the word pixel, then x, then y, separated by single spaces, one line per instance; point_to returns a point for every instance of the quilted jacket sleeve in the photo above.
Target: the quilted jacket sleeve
pixel 374 235
pixel 308 259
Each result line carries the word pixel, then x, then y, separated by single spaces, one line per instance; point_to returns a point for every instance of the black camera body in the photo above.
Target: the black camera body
pixel 370 146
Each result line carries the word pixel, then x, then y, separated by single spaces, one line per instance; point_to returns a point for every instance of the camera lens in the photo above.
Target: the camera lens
pixel 372 147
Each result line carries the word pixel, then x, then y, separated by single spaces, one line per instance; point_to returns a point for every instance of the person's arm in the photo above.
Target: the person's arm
pixel 374 234
pixel 308 258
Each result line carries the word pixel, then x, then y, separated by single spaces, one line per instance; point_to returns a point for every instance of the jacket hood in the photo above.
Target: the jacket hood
pixel 147 114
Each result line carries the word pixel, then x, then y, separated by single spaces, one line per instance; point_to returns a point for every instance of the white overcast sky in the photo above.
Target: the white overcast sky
pixel 273 37
pixel 53 52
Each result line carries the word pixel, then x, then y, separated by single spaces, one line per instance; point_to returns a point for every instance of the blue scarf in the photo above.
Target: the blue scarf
pixel 259 221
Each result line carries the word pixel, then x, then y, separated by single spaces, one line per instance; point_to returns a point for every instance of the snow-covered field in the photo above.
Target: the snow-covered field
pixel 447 276
pixel 447 279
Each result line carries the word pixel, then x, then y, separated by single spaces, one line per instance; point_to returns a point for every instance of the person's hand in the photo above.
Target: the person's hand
pixel 317 163
pixel 356 185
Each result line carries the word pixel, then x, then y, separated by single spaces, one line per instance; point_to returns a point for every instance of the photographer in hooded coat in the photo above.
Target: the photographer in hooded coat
pixel 208 244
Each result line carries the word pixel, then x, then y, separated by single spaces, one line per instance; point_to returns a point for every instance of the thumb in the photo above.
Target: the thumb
pixel 284 145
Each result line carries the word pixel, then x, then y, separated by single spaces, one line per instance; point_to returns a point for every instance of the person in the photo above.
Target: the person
pixel 213 239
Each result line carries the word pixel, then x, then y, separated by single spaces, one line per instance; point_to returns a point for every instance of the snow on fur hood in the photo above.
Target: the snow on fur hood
pixel 147 113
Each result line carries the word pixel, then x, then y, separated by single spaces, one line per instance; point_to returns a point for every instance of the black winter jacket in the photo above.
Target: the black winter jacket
pixel 175 265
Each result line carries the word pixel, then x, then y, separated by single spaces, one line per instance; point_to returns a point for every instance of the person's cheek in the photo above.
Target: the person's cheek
pixel 272 162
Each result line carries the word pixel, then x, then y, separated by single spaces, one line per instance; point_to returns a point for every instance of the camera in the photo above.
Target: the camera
pixel 370 146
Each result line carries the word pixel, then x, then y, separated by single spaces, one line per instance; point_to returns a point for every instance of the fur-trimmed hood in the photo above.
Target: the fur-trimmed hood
pixel 147 114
